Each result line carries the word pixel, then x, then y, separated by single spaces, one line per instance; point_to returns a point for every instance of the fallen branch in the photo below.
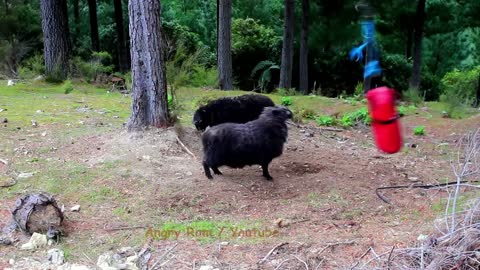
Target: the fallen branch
pixel 124 228
pixel 271 251
pixel 336 244
pixel 361 257
pixel 163 256
pixel 383 198
pixel 185 148
pixel 3 161
pixel 280 265
pixel 304 263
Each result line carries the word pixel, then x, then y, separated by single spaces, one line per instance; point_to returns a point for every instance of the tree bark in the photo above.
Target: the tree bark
pixel 149 82
pixel 304 47
pixel 477 101
pixel 92 10
pixel 55 38
pixel 123 56
pixel 417 56
pixel 287 48
pixel 224 45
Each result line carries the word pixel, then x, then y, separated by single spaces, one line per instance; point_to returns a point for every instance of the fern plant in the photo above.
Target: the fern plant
pixel 265 67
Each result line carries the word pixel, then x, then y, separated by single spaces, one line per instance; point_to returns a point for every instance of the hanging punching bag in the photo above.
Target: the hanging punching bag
pixel 385 119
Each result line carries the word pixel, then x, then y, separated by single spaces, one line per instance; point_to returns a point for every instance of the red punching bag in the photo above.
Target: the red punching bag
pixel 385 119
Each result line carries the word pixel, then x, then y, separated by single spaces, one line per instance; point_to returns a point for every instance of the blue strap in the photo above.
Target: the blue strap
pixel 372 68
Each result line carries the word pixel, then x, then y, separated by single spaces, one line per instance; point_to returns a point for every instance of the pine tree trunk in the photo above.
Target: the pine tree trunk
pixel 123 55
pixel 55 38
pixel 304 47
pixel 287 48
pixel 76 19
pixel 149 85
pixel 92 10
pixel 417 55
pixel 224 45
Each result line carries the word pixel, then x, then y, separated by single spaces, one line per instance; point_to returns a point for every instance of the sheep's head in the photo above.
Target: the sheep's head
pixel 199 119
pixel 278 112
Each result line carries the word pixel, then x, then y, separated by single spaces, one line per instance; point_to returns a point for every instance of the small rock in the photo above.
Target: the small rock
pixel 308 134
pixel 56 256
pixel 34 123
pixel 39 111
pixel 189 173
pixel 36 241
pixel 75 208
pixel 224 243
pixel 25 175
pixel 44 134
pixel 2 109
pixel 81 122
pixel 116 116
pixel 206 267
pixel 79 267
pixel 10 83
pixel 413 179
pixel 39 78
pixel 4 120
pixel 11 261
pixel 422 237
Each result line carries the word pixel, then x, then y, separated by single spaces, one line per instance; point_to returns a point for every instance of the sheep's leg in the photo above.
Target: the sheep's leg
pixel 265 172
pixel 208 174
pixel 216 171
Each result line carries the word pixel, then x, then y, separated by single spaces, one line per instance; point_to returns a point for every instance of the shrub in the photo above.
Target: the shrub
pixel 307 113
pixel 419 130
pixel 286 101
pixel 459 90
pixel 32 67
pixel 396 71
pixel 99 63
pixel 67 87
pixel 353 118
pixel 412 95
pixel 325 120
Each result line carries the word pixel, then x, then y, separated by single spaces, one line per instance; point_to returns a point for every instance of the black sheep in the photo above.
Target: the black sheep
pixel 255 142
pixel 239 109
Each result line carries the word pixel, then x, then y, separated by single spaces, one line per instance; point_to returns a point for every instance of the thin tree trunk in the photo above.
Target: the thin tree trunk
pixel 304 47
pixel 287 48
pixel 149 82
pixel 7 10
pixel 55 38
pixel 417 57
pixel 92 10
pixel 123 56
pixel 224 45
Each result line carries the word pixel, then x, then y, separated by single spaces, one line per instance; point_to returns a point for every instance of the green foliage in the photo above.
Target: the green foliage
pixel 203 100
pixel 459 90
pixel 396 71
pixel 359 116
pixel 419 130
pixel 67 87
pixel 307 113
pixel 266 75
pixel 413 96
pixel 32 67
pixel 286 101
pixel 325 120
pixel 99 63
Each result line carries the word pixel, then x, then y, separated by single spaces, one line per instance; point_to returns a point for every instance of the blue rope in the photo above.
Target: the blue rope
pixel 372 68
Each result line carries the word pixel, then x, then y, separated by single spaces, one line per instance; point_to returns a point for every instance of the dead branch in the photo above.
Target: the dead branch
pixel 124 228
pixel 163 256
pixel 304 263
pixel 280 265
pixel 185 148
pixel 336 244
pixel 271 251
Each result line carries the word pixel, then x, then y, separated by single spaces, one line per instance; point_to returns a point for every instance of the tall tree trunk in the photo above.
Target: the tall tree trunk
pixel 123 56
pixel 76 19
pixel 55 38
pixel 224 45
pixel 287 48
pixel 92 11
pixel 149 81
pixel 7 10
pixel 417 56
pixel 304 47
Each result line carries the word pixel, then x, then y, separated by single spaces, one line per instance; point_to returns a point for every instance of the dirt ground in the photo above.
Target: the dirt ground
pixel 322 201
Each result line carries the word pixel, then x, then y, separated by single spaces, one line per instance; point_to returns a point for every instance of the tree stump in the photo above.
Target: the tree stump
pixel 38 213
